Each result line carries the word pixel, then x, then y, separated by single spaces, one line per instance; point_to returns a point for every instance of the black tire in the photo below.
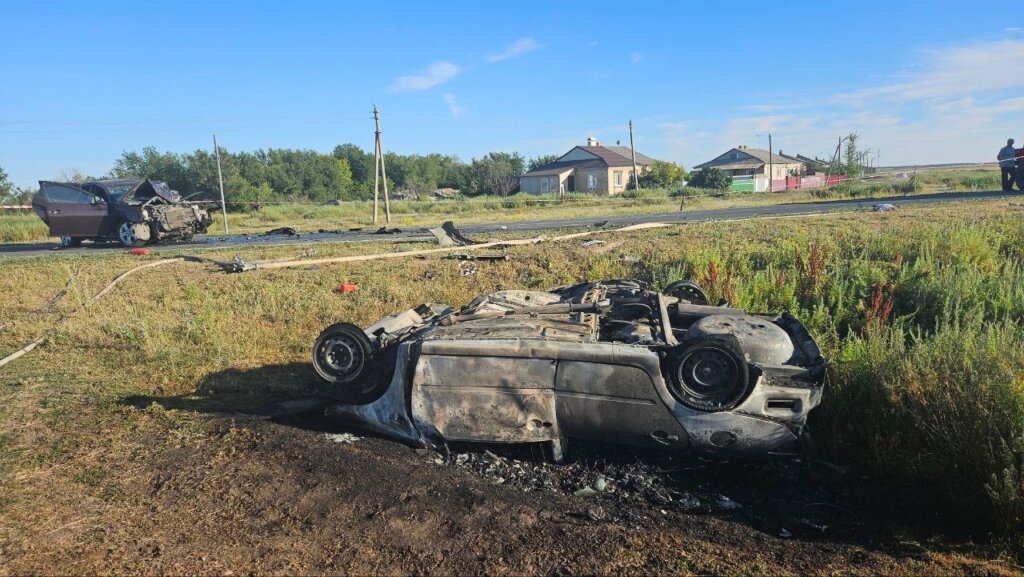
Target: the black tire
pixel 71 241
pixel 708 373
pixel 686 290
pixel 346 362
pixel 125 235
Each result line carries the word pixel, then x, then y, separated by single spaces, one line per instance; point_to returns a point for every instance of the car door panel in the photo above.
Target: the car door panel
pixel 72 211
pixel 495 399
pixel 613 403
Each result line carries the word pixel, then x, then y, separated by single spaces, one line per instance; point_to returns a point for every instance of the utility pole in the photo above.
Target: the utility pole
pixel 632 150
pixel 379 170
pixel 220 178
pixel 771 166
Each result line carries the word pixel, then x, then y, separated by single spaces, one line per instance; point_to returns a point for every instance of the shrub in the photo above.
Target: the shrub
pixel 712 178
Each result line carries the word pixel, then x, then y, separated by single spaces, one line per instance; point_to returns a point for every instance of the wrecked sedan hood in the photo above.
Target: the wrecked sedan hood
pixel 608 361
pixel 149 190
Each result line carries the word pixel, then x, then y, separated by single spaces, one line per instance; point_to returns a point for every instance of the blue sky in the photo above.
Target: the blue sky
pixel 922 82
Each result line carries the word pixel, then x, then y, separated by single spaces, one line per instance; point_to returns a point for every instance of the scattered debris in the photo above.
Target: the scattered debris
pixel 386 230
pixel 884 207
pixel 484 257
pixel 467 268
pixel 590 243
pixel 785 534
pixel 727 503
pixel 600 223
pixel 281 231
pixel 346 288
pixel 448 235
pixel 346 438
pixel 138 251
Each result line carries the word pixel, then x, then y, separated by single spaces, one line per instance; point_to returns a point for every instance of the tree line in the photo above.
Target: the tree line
pixel 295 175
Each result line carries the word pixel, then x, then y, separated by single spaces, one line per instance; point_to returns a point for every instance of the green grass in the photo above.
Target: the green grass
pixel 920 312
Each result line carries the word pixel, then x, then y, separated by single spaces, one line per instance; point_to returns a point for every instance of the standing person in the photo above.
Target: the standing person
pixel 1006 164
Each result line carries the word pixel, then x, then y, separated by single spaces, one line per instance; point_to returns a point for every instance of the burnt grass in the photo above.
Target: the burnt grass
pixel 307 494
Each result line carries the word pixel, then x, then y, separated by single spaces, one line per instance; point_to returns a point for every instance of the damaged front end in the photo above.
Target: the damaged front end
pixel 155 213
pixel 607 361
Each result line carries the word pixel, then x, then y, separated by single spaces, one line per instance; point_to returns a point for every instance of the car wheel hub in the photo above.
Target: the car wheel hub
pixel 127 233
pixel 707 374
pixel 342 355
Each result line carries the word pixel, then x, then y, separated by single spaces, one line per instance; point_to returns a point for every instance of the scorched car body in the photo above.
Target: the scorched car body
pixel 608 361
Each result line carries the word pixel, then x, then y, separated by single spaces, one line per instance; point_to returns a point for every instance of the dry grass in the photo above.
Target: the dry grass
pixel 62 410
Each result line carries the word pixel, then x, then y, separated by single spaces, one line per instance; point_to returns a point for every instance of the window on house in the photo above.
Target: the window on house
pixel 618 178
pixel 591 181
pixel 545 185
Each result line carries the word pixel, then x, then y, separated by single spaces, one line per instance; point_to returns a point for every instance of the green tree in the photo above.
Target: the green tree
pixel 663 175
pixel 360 162
pixel 497 173
pixel 711 178
pixel 851 167
pixel 166 166
pixel 6 187
pixel 539 161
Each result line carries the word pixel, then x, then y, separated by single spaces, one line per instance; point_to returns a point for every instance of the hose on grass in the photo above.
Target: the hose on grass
pixel 241 266
pixel 28 348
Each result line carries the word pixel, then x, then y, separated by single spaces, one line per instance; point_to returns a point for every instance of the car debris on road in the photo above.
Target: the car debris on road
pixel 130 212
pixel 607 361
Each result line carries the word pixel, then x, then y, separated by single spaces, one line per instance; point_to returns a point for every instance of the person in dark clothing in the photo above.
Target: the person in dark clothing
pixel 1007 164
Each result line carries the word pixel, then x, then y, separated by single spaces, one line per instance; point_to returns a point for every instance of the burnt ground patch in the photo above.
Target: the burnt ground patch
pixel 283 496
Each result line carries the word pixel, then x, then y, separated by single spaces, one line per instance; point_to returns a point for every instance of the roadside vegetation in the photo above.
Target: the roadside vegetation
pixel 23 226
pixel 920 312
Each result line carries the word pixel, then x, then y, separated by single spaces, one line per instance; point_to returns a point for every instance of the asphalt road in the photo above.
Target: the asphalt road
pixel 210 241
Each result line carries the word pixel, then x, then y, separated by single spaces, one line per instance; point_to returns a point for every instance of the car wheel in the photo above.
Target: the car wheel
pixel 687 290
pixel 70 241
pixel 708 373
pixel 126 234
pixel 345 360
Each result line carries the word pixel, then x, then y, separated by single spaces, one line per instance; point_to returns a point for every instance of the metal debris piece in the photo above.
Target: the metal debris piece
pixel 883 207
pixel 448 235
pixel 590 243
pixel 346 288
pixel 601 223
pixel 346 438
pixel 727 503
pixel 386 230
pixel 467 268
pixel 281 231
pixel 484 257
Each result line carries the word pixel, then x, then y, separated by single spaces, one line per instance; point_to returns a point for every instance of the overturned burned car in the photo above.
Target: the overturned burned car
pixel 130 212
pixel 607 361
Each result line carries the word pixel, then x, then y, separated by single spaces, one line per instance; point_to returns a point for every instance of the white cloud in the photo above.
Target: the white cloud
pixel 517 48
pixel 952 72
pixel 453 104
pixel 1014 29
pixel 436 73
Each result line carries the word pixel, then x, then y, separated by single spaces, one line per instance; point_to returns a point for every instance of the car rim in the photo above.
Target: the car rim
pixel 65 241
pixel 342 356
pixel 708 374
pixel 126 233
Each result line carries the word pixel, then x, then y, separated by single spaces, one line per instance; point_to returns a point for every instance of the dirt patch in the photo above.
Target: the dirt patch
pixel 262 497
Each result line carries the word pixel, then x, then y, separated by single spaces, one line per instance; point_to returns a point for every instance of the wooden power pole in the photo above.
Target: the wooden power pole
pixel 380 172
pixel 220 178
pixel 771 167
pixel 632 150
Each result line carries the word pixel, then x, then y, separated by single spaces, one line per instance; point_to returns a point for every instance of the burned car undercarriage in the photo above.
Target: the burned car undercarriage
pixel 607 361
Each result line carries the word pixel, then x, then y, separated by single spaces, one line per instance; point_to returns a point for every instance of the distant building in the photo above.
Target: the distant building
pixel 591 168
pixel 744 161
